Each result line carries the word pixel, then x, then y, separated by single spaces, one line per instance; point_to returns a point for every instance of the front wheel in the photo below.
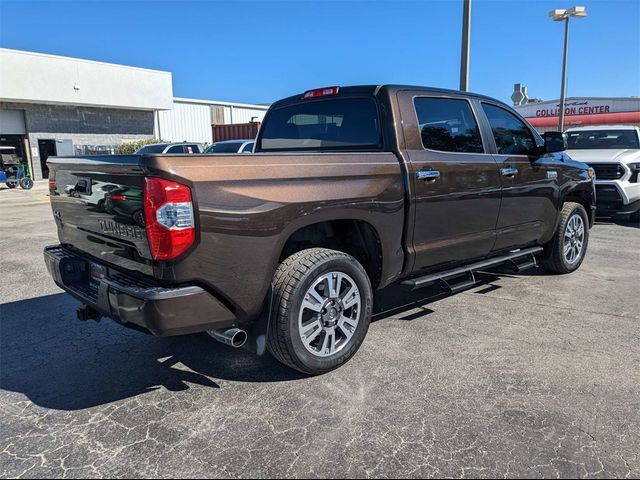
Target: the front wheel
pixel 26 183
pixel 565 252
pixel 321 310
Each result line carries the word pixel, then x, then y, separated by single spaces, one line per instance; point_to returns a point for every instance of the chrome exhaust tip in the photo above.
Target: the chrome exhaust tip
pixel 234 337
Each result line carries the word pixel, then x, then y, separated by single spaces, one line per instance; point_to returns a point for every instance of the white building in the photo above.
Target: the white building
pixel 582 111
pixel 191 119
pixel 53 105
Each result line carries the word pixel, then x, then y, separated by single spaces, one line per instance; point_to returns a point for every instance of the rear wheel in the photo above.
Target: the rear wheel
pixel 321 310
pixel 12 182
pixel 565 252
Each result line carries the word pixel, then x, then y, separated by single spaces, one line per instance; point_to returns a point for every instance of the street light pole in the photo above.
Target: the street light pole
pixel 563 87
pixel 466 44
pixel 560 15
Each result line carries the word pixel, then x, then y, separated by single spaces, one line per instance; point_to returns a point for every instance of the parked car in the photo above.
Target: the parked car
pixel 231 146
pixel 613 151
pixel 355 188
pixel 170 148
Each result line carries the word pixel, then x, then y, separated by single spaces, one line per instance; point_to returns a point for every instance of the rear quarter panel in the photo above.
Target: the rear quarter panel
pixel 249 205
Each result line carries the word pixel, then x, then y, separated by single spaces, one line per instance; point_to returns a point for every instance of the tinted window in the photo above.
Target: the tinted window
pixel 191 148
pixel 512 136
pixel 448 125
pixel 605 139
pixel 176 149
pixel 323 125
pixel 248 148
pixel 224 147
pixel 152 149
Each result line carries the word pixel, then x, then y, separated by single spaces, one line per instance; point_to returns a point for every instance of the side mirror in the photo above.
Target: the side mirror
pixel 554 142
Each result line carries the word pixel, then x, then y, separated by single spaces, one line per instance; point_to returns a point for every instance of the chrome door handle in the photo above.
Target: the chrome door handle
pixel 508 172
pixel 428 174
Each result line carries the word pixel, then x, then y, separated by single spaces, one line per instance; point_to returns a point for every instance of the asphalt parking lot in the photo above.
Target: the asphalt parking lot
pixel 526 375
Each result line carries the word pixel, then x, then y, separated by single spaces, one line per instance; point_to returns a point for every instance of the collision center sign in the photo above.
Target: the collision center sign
pixel 574 108
pixel 579 106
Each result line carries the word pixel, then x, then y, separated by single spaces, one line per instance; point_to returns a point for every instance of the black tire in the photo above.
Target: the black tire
pixel 291 283
pixel 11 182
pixel 635 218
pixel 553 258
pixel 26 183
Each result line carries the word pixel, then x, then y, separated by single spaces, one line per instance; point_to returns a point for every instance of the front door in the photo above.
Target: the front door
pixel 46 149
pixel 529 183
pixel 455 185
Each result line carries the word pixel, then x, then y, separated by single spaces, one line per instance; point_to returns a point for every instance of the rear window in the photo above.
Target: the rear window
pixel 226 147
pixel 152 149
pixel 336 124
pixel 448 125
pixel 602 139
pixel 176 149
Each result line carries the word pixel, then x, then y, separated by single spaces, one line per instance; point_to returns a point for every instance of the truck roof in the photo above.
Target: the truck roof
pixel 391 88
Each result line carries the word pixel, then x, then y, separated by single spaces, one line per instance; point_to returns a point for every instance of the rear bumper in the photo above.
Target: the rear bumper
pixel 159 310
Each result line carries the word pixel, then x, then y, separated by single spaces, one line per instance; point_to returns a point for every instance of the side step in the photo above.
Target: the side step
pixel 449 277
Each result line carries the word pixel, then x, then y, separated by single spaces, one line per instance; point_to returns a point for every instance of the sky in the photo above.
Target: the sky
pixel 259 51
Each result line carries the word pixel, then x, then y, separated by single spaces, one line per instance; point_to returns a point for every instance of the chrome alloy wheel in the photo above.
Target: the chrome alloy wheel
pixel 329 314
pixel 573 239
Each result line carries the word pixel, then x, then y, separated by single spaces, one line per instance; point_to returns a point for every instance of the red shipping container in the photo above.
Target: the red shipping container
pixel 236 131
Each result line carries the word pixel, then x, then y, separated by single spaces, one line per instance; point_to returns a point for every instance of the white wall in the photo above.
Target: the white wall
pixel 37 78
pixel 243 114
pixel 189 122
pixel 190 119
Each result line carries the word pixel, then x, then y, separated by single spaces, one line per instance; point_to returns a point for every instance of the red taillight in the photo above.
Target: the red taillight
pixel 168 213
pixel 120 198
pixel 52 184
pixel 320 92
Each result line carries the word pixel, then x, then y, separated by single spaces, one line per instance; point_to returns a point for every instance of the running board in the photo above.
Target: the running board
pixel 448 276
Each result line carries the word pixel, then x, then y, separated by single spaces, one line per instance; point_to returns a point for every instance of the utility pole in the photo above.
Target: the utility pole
pixel 563 87
pixel 563 15
pixel 466 44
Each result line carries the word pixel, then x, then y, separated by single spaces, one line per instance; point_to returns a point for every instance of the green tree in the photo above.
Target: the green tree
pixel 126 148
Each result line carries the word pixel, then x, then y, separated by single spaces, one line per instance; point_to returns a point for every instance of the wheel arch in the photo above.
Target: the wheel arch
pixel 582 194
pixel 353 236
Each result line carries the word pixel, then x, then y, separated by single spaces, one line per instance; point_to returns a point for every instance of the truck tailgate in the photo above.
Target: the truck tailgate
pixel 97 204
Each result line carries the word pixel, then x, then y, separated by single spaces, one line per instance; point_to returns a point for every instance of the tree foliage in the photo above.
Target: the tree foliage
pixel 126 148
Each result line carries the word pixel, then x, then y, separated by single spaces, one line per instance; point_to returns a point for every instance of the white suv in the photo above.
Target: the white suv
pixel 613 151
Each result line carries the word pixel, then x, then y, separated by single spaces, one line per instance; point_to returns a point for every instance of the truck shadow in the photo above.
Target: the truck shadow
pixel 61 363
pixel 614 221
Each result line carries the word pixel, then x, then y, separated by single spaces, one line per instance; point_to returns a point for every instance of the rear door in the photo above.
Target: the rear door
pixel 529 181
pixel 454 180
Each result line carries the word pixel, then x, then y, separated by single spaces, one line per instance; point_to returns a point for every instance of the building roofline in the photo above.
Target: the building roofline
pixel 83 60
pixel 219 102
pixel 568 99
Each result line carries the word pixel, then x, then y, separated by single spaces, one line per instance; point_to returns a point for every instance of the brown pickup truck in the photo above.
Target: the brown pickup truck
pixel 349 190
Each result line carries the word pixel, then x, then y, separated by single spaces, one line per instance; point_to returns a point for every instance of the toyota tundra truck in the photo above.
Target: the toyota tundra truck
pixel 613 151
pixel 349 189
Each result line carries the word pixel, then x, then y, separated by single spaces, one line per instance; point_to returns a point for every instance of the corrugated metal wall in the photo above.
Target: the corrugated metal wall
pixel 189 122
pixel 236 131
pixel 233 114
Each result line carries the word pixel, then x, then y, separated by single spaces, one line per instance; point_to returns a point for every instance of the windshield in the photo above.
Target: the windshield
pixel 602 139
pixel 335 124
pixel 151 149
pixel 224 147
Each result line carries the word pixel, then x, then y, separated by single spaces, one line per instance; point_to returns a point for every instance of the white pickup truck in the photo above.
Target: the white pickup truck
pixel 613 151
